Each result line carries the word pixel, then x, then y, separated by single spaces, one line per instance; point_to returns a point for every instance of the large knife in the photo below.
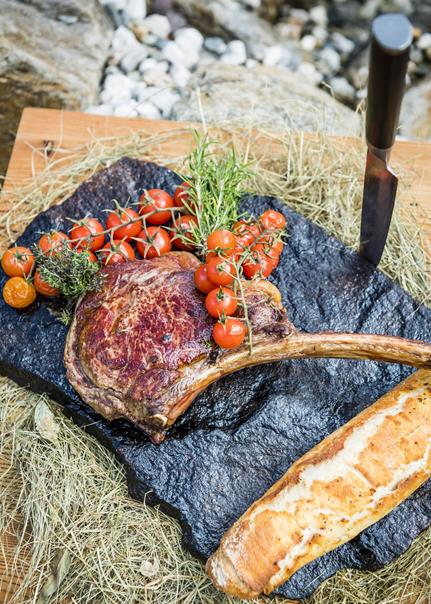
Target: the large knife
pixel 391 39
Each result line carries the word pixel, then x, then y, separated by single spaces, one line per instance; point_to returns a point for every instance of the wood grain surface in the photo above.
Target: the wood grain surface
pixel 41 130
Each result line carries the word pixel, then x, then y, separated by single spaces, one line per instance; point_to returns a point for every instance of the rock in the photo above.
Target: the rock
pixel 359 77
pixel 344 45
pixel 320 34
pixel 424 41
pixel 288 31
pixel 148 111
pixel 298 16
pixel 135 10
pixel 147 64
pixel 45 62
pixel 164 100
pixel 126 110
pixel 319 15
pixel 308 43
pixel 235 54
pixel 123 41
pixel 189 39
pixel 134 57
pixel 173 53
pixel 180 75
pixel 309 72
pixel 271 96
pixel 329 60
pixel 158 25
pixel 416 112
pixel 273 55
pixel 104 109
pixel 343 91
pixel 158 75
pixel 45 423
pixel 215 45
pixel 370 9
pixel 251 63
pixel 229 19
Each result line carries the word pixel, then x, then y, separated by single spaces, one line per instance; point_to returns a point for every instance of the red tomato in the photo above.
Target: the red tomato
pixel 229 333
pixel 245 233
pixel 91 257
pixel 220 271
pixel 153 241
pixel 18 261
pixel 257 265
pixel 182 227
pixel 88 234
pixel 52 241
pixel 18 292
pixel 222 241
pixel 202 283
pixel 117 252
pixel 271 252
pixel 272 220
pixel 221 301
pixel 42 287
pixel 156 200
pixel 181 195
pixel 120 217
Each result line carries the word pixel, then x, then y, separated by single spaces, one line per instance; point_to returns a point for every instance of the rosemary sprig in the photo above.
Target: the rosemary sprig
pixel 68 270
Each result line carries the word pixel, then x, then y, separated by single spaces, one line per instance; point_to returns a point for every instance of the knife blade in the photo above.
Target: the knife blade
pixel 391 39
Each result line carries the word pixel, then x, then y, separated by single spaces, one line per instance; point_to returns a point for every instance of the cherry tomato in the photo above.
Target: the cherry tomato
pixel 272 220
pixel 89 233
pixel 202 283
pixel 91 257
pixel 120 217
pixel 153 241
pixel 42 287
pixel 182 226
pixel 17 261
pixel 220 271
pixel 271 252
pixel 18 292
pixel 117 252
pixel 222 241
pixel 181 195
pixel 49 242
pixel 229 333
pixel 245 233
pixel 259 265
pixel 221 301
pixel 156 200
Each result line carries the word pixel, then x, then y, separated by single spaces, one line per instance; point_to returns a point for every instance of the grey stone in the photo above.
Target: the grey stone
pixel 329 60
pixel 45 62
pixel 343 91
pixel 343 44
pixel 319 15
pixel 215 45
pixel 235 54
pixel 264 95
pixel 416 112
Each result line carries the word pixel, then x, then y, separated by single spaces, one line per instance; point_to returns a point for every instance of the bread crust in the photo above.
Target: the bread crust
pixel 347 482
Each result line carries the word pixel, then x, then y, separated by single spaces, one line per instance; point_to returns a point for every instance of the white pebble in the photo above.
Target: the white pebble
pixel 116 82
pixel 164 101
pixel 330 60
pixel 125 110
pixel 158 25
pixel 342 89
pixel 273 55
pixel 321 35
pixel 134 57
pixel 342 44
pixel 308 71
pixel 173 53
pixel 103 109
pixel 215 45
pixel 424 41
pixel 308 43
pixel 235 54
pixel 298 15
pixel 189 38
pixel 148 111
pixel 251 63
pixel 319 15
pixel 180 75
pixel 147 64
pixel 116 4
pixel 123 40
pixel 135 10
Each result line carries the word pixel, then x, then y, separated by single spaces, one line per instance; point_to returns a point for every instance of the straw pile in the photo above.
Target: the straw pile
pixel 78 537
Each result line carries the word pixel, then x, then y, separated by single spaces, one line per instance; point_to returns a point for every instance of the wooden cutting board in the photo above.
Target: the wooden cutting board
pixel 41 130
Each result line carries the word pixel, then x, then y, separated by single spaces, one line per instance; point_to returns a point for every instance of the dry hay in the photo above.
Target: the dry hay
pixel 80 538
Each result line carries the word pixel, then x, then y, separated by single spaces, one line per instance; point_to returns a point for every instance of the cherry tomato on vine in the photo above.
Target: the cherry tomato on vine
pixel 220 270
pixel 88 234
pixel 202 283
pixel 259 265
pixel 42 287
pixel 153 241
pixel 221 301
pixel 156 200
pixel 229 333
pixel 222 241
pixel 271 252
pixel 117 252
pixel 272 220
pixel 182 226
pixel 17 261
pixel 18 292
pixel 91 257
pixel 245 233
pixel 122 216
pixel 50 242
pixel 181 195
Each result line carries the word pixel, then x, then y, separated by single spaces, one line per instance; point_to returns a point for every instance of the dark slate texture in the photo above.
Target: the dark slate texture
pixel 244 432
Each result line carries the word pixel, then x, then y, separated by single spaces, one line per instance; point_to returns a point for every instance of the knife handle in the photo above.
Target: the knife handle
pixel 391 38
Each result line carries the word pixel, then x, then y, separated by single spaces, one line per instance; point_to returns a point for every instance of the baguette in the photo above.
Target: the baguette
pixel 347 482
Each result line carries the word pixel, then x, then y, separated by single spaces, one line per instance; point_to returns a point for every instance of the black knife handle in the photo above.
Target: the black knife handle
pixel 391 38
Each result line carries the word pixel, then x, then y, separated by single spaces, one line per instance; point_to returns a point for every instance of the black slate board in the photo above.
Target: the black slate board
pixel 244 432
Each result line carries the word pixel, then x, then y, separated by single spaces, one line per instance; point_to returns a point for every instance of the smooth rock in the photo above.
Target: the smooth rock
pixel 319 15
pixel 135 10
pixel 320 34
pixel 288 31
pixel 147 64
pixel 158 25
pixel 125 110
pixel 134 57
pixel 415 117
pixel 104 109
pixel 251 63
pixel 273 55
pixel 308 43
pixel 123 41
pixel 424 41
pixel 235 54
pixel 329 60
pixel 148 110
pixel 118 5
pixel 343 44
pixel 164 101
pixel 309 71
pixel 299 16
pixel 180 75
pixel 45 62
pixel 189 38
pixel 359 77
pixel 117 97
pixel 215 45
pixel 173 53
pixel 271 96
pixel 343 91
